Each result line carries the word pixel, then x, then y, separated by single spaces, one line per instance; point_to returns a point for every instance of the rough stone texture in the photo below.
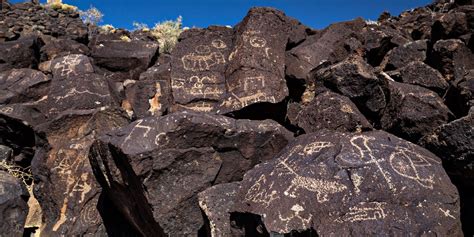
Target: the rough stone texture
pixel 452 58
pixel 404 54
pixel 55 48
pixel 352 184
pixel 355 79
pixel 22 85
pixel 21 53
pixel 5 153
pixel 379 40
pixel 131 57
pixel 176 157
pixel 70 66
pixel 460 97
pixel 64 182
pixel 420 74
pixel 413 111
pixel 13 208
pixel 331 111
pixel 217 202
pixel 333 44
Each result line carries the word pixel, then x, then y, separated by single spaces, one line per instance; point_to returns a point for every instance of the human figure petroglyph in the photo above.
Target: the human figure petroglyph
pixel 296 216
pixel 364 212
pixel 406 163
pixel 315 147
pixel 218 44
pixel 6 110
pixel 68 65
pixel 74 91
pixel 258 194
pixel 361 143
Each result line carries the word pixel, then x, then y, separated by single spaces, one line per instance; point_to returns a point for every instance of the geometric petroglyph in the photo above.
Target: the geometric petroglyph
pixel 406 163
pixel 258 194
pixel 199 87
pixel 218 44
pixel 74 91
pixel 235 102
pixel 315 147
pixel 364 212
pixel 138 125
pixel 161 139
pixel 6 110
pixel 254 82
pixel 90 215
pixel 257 42
pixel 68 65
pixel 295 217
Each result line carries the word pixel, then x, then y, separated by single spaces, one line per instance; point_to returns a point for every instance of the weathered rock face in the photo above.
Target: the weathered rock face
pixel 420 74
pixel 452 58
pixel 413 111
pixel 22 85
pixel 176 157
pixel 64 183
pixel 355 79
pixel 13 208
pixel 331 111
pixel 132 57
pixel 352 184
pixel 21 53
pixel 404 54
pixel 55 48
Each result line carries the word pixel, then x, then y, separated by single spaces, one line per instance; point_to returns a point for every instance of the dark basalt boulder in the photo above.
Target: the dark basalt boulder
pixel 355 79
pixel 330 111
pixel 404 54
pixel 21 53
pixel 65 186
pixel 174 158
pixel 413 111
pixel 54 48
pixel 452 58
pixel 352 184
pixel 460 97
pixel 332 45
pixel 13 207
pixel 22 85
pixel 70 66
pixel 420 74
pixel 131 57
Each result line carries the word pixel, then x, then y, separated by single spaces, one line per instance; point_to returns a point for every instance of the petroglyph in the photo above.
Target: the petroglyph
pixel 364 212
pixel 82 187
pixel 361 143
pixel 68 65
pixel 138 125
pixel 90 215
pixel 406 163
pixel 296 216
pixel 203 49
pixel 235 102
pixel 200 86
pixel 177 83
pixel 2 189
pixel 218 44
pixel 254 83
pixel 196 62
pixel 322 188
pixel 258 194
pixel 315 147
pixel 161 139
pixel 257 42
pixel 6 110
pixel 447 213
pixel 74 91
pixel 202 106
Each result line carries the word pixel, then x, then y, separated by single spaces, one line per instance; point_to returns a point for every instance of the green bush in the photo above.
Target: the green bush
pixel 166 33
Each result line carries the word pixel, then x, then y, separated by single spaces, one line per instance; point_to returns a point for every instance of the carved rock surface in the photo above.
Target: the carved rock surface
pixel 331 111
pixel 13 208
pixel 22 85
pixel 176 157
pixel 20 53
pixel 65 185
pixel 352 184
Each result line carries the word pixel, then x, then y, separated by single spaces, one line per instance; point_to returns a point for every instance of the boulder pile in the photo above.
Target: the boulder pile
pixel 269 128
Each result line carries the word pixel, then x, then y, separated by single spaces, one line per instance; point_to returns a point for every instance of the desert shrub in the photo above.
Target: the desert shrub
pixel 125 38
pixel 91 16
pixel 24 174
pixel 140 26
pixel 58 5
pixel 107 29
pixel 166 32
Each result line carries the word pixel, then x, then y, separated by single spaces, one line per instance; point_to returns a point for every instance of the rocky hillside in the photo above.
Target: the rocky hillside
pixel 269 128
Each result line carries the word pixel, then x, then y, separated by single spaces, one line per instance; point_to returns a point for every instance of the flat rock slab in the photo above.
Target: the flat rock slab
pixel 22 85
pixel 20 53
pixel 174 158
pixel 352 184
pixel 13 207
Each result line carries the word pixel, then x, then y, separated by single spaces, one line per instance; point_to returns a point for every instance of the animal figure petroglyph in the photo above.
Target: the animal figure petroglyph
pixel 196 62
pixel 68 65
pixel 406 163
pixel 364 212
pixel 74 91
pixel 296 216
pixel 258 194
pixel 322 188
pixel 199 106
pixel 315 147
pixel 235 102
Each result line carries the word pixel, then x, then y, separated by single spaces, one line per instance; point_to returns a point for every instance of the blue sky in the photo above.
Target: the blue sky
pixel 314 13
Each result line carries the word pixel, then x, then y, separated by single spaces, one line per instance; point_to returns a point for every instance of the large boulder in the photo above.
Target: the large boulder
pixel 342 184
pixel 65 186
pixel 420 74
pixel 404 54
pixel 452 58
pixel 174 158
pixel 413 111
pixel 22 85
pixel 13 207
